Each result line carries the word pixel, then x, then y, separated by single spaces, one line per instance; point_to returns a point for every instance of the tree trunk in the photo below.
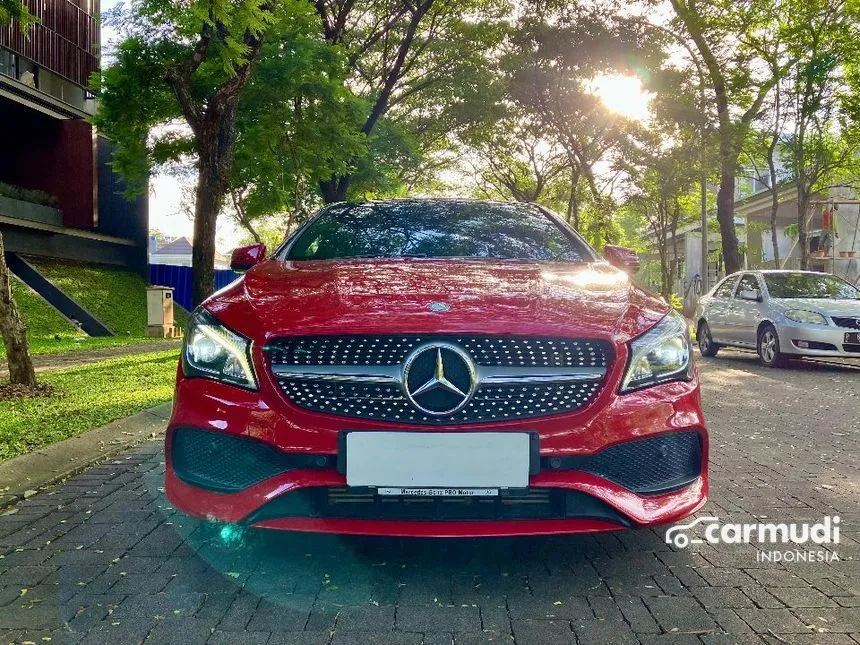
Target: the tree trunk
pixel 665 272
pixel 774 207
pixel 14 332
pixel 573 201
pixel 726 217
pixel 771 169
pixel 215 151
pixel 206 209
pixel 334 189
pixel 802 229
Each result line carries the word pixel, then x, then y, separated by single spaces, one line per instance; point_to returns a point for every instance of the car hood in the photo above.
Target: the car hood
pixel 827 306
pixel 394 296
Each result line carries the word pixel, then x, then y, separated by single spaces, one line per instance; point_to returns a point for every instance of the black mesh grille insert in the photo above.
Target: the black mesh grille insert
pixel 392 350
pixel 645 466
pixel 387 402
pixel 364 503
pixel 850 323
pixel 226 463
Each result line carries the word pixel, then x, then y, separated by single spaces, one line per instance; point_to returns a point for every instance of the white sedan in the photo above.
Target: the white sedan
pixel 781 314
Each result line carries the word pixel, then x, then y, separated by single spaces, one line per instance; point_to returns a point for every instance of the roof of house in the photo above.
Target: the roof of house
pixel 179 246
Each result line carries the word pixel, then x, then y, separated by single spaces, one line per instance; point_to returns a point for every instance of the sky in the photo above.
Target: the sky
pixel 621 94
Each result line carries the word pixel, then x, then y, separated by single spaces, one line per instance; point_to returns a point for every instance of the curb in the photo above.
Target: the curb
pixel 25 475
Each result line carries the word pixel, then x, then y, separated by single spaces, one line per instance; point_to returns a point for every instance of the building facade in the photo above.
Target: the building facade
pixel 59 196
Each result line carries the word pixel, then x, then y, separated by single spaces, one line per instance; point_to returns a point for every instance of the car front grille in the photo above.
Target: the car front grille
pixel 361 376
pixel 849 323
pixel 393 350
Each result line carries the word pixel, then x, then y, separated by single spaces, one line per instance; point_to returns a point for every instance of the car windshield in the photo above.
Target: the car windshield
pixel 437 229
pixel 809 285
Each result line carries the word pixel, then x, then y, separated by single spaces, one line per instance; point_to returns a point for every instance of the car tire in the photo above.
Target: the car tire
pixel 768 347
pixel 707 346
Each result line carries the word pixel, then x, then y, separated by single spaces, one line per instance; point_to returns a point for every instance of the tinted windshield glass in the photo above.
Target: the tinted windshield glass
pixel 436 229
pixel 808 285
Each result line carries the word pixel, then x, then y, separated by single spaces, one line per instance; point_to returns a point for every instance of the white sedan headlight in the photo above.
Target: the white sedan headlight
pixel 213 351
pixel 661 354
pixel 803 316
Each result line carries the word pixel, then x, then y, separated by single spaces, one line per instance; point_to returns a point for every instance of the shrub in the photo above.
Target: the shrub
pixel 26 195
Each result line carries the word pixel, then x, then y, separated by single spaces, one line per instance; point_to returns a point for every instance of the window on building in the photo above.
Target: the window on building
pixel 28 72
pixel 7 63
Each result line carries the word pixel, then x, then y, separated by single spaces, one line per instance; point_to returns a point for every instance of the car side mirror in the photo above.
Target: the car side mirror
pixel 622 258
pixel 245 257
pixel 750 294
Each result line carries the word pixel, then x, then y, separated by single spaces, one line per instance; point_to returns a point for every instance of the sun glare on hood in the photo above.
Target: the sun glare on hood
pixel 590 278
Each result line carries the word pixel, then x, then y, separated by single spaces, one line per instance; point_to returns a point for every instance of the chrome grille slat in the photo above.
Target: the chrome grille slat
pixel 518 377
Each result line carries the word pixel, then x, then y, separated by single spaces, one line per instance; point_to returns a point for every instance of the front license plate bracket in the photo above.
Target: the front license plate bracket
pixel 534 449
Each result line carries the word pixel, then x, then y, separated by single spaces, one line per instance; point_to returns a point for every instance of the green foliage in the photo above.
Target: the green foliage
pixel 86 397
pixel 15 11
pixel 206 40
pixel 298 124
pixel 25 195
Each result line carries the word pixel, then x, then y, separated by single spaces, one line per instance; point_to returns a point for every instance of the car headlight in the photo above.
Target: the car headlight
pixel 803 316
pixel 213 351
pixel 661 354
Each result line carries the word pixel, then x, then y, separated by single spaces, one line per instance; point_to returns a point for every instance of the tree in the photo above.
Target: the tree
pixel 13 330
pixel 553 56
pixel 662 187
pixel 735 40
pixel 297 125
pixel 823 39
pixel 12 327
pixel 190 61
pixel 517 162
pixel 400 53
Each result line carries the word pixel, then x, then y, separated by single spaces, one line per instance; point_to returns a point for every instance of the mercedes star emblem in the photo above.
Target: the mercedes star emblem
pixel 439 378
pixel 438 307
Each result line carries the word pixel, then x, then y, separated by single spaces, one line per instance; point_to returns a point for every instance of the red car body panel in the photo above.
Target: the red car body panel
pixel 594 301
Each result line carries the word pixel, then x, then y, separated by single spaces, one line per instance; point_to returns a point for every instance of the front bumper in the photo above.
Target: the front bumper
pixel 295 475
pixel 803 339
pixel 647 480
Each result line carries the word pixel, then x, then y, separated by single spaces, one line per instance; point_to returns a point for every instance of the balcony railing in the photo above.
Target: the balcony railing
pixel 65 40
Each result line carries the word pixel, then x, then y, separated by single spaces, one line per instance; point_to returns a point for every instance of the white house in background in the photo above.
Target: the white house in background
pixel 178 253
pixel 841 256
pixel 752 223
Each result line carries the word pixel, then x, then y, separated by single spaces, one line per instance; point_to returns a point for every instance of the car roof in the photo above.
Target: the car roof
pixel 779 271
pixel 430 200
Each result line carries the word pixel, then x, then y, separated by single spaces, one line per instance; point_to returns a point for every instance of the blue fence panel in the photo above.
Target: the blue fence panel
pixel 179 277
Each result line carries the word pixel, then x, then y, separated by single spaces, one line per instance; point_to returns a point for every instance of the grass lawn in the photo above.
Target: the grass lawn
pixel 114 296
pixel 86 397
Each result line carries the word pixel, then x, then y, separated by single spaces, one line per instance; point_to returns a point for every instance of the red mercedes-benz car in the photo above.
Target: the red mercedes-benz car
pixel 436 368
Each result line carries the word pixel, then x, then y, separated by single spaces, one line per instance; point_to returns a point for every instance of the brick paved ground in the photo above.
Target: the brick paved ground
pixel 103 559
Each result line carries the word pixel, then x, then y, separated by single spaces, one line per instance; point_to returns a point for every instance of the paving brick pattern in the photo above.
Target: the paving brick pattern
pixel 103 558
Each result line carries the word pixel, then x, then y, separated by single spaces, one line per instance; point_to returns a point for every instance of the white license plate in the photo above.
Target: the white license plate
pixel 446 460
pixel 439 492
